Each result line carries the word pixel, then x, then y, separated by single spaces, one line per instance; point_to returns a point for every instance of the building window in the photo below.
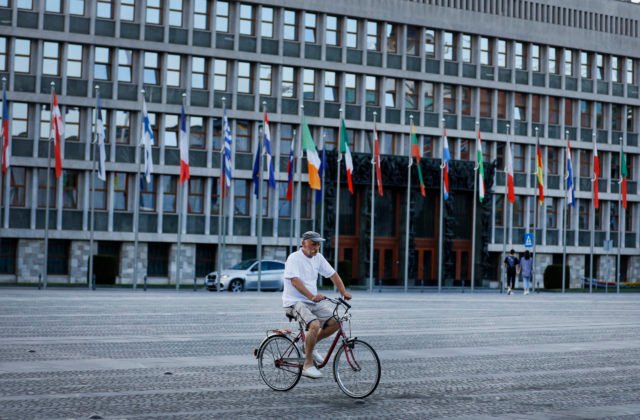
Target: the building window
pixel 390 92
pixel 76 7
pixel 411 94
pixel 449 99
pixel 600 67
pixel 449 53
pixel 171 130
pixel 220 68
pixel 518 211
pixel 154 12
pixel 568 112
pixel 430 43
pixel 3 54
pixel 215 195
pixel 585 65
pixel 245 84
pixel 8 251
pixel 45 119
pixel 616 117
pixel 554 60
pixel 243 136
pixel 197 132
pixel 520 109
pixel 585 114
pixel 330 138
pixel 351 88
pixel 568 63
pixel 372 89
pixel 554 110
pixel 486 103
pixel 157 259
pixel 266 27
pixel 125 66
pixel 18 188
pixel 70 189
pixel 467 49
pixel 286 137
pixel 199 74
pixel 42 188
pixel 535 58
pixel 429 97
pixel 352 33
pixel 518 157
pixel 120 191
pixel 536 109
pixel 104 9
pixel 222 16
pixel 123 127
pixel 174 64
pixel 151 68
pixel 170 189
pixel 50 58
pixel 74 60
pixel 616 69
pixel 309 81
pixel 284 206
pixel 196 195
pixel 99 193
pixel 466 100
pixel 600 115
pixel 391 33
pixel 373 36
pixel 502 53
pixel 486 52
pixel 72 123
pixel 148 194
pixel 332 30
pixel 53 6
pixel 127 10
pixel 521 56
pixel 413 40
pixel 58 257
pixel 247 20
pixel 331 93
pixel 553 160
pixel 201 14
pixel 288 82
pixel 310 28
pixel 630 71
pixel 175 13
pixel 265 80
pixel 241 197
pixel 290 25
pixel 502 105
pixel 102 65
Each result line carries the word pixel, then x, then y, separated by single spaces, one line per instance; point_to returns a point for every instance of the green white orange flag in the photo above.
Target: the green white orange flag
pixel 623 178
pixel 415 152
pixel 313 160
pixel 344 148
pixel 480 163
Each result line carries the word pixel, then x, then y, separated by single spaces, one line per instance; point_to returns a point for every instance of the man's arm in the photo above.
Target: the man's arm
pixel 337 281
pixel 300 287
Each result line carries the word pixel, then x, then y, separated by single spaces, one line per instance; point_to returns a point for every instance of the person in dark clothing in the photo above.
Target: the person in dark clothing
pixel 511 264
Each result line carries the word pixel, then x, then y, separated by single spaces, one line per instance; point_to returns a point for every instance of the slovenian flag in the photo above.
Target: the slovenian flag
pixel 267 151
pixel 511 191
pixel 446 157
pixel 344 148
pixel 184 148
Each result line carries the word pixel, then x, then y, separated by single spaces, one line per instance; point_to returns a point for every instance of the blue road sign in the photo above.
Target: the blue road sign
pixel 528 240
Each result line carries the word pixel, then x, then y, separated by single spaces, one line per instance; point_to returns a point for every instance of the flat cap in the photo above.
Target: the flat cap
pixel 312 236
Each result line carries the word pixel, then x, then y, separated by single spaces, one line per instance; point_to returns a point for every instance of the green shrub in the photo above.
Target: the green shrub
pixel 344 269
pixel 553 276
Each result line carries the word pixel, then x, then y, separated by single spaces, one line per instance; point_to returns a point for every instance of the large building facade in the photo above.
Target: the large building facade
pixel 517 70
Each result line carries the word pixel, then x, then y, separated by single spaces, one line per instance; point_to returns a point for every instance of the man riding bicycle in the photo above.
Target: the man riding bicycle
pixel 301 299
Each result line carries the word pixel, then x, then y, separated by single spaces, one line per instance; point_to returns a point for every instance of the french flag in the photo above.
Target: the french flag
pixel 446 157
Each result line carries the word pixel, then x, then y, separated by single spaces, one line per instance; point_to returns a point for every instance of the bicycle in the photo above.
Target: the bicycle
pixel 356 366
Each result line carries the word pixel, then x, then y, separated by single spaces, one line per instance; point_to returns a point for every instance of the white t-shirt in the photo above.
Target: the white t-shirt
pixel 306 269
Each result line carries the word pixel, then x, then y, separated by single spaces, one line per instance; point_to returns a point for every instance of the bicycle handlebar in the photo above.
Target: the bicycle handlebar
pixel 338 300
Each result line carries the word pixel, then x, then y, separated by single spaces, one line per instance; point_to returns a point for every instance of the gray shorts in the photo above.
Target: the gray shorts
pixel 309 312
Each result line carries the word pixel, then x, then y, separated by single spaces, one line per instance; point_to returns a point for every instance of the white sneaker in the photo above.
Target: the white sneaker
pixel 526 292
pixel 508 290
pixel 317 357
pixel 312 373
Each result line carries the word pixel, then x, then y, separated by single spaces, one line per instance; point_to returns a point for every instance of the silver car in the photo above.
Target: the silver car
pixel 244 276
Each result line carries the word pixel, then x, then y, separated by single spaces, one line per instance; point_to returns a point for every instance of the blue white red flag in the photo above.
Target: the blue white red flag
pixel 571 191
pixel 446 157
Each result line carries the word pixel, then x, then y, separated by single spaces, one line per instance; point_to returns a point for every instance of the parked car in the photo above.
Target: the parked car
pixel 244 276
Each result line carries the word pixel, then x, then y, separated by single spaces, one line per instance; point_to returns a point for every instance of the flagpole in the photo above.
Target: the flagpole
pixel 93 190
pixel 221 194
pixel 566 213
pixel 259 203
pixel 136 207
pixel 46 215
pixel 504 212
pixel 5 143
pixel 373 204
pixel 440 225
pixel 535 215
pixel 293 198
pixel 592 220
pixel 324 134
pixel 180 207
pixel 406 229
pixel 476 166
pixel 620 219
pixel 337 235
pixel 298 195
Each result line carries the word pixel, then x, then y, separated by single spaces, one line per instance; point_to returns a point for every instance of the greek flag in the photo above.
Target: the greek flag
pixel 227 150
pixel 147 141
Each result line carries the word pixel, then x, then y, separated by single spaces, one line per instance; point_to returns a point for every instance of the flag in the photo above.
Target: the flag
pixel 511 192
pixel 540 175
pixel 571 193
pixel 446 157
pixel 415 152
pixel 321 169
pixel 226 173
pixel 102 173
pixel 57 130
pixel 267 151
pixel 290 174
pixel 623 178
pixel 596 174
pixel 184 148
pixel 256 169
pixel 376 159
pixel 6 157
pixel 480 163
pixel 147 141
pixel 313 160
pixel 344 148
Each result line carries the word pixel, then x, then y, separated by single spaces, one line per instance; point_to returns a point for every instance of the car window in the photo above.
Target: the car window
pixel 243 265
pixel 274 265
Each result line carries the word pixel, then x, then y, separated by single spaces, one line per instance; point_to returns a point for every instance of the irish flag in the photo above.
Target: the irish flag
pixel 344 148
pixel 313 160
pixel 480 163
pixel 415 152
pixel 511 191
pixel 623 178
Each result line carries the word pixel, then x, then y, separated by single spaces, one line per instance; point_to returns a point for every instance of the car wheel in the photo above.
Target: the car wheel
pixel 236 285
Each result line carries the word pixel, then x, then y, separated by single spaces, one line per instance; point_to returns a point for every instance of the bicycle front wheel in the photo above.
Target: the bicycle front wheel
pixel 357 369
pixel 279 363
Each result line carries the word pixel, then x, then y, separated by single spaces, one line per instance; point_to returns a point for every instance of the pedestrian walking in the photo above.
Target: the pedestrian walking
pixel 511 264
pixel 526 266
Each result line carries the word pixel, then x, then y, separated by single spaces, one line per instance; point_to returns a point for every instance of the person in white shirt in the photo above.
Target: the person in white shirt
pixel 301 299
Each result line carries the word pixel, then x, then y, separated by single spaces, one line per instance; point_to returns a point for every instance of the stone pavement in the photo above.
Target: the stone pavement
pixel 116 354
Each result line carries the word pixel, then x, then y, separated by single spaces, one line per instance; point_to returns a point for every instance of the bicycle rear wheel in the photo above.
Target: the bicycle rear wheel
pixel 357 369
pixel 279 363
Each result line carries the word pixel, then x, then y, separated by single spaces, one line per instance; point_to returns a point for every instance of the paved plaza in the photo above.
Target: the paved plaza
pixel 116 354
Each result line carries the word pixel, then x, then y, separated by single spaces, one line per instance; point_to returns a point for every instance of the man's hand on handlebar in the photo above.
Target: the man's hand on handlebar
pixel 318 297
pixel 346 295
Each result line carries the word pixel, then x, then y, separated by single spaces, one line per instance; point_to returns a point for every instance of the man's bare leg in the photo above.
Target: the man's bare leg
pixel 315 334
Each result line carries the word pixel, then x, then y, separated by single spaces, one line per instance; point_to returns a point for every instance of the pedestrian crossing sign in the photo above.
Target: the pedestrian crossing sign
pixel 528 240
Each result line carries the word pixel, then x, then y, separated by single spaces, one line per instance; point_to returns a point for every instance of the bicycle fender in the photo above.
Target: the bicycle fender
pixel 270 333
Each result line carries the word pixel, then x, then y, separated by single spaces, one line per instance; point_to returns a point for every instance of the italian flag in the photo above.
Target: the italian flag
pixel 344 148
pixel 511 191
pixel 480 163
pixel 313 160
